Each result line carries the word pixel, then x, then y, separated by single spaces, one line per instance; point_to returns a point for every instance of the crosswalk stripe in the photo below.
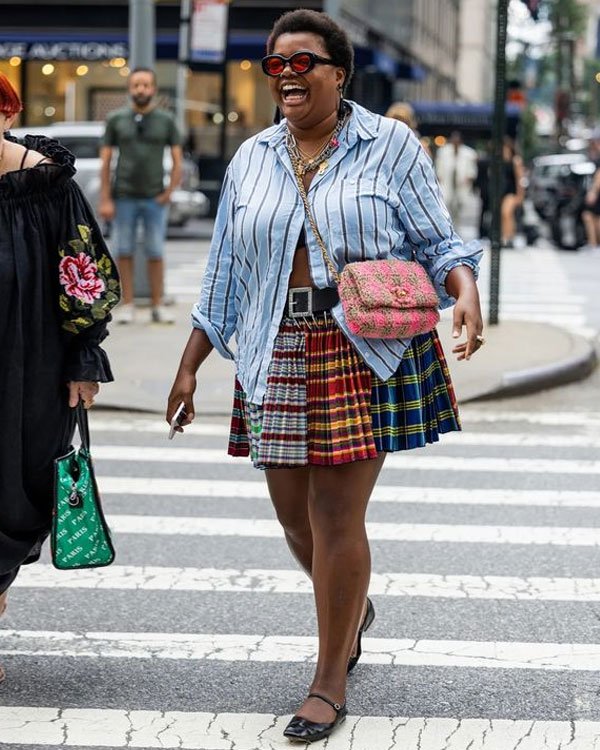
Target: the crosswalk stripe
pixel 487 439
pixel 548 419
pixel 156 426
pixel 89 727
pixel 152 578
pixel 394 461
pixel 208 488
pixel 238 647
pixel 397 532
pixel 471 414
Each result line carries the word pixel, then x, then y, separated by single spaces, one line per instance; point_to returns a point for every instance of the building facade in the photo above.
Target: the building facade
pixel 422 35
pixel 69 59
pixel 476 52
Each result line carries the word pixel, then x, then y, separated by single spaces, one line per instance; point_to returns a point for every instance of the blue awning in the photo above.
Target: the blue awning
pixel 241 46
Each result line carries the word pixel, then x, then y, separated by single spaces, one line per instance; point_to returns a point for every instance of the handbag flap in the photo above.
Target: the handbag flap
pixel 390 284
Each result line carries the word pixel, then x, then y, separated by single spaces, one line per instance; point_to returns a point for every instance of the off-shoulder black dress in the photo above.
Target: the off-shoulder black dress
pixel 57 286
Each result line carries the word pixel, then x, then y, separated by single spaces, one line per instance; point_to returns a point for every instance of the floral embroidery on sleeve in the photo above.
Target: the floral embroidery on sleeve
pixel 90 285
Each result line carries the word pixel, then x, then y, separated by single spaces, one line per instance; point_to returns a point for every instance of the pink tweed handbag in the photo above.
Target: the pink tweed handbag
pixel 388 299
pixel 382 299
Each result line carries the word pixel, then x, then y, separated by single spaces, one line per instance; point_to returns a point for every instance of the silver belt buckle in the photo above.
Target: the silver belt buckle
pixel 300 301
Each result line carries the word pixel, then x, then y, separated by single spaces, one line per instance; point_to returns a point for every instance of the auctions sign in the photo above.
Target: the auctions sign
pixel 208 31
pixel 88 51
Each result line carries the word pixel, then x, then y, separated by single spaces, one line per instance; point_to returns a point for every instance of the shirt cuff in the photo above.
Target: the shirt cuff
pixel 88 362
pixel 200 321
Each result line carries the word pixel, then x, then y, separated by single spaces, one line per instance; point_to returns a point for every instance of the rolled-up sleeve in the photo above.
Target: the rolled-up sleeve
pixel 428 226
pixel 215 313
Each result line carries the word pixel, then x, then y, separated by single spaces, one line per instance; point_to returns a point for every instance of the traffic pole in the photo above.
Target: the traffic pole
pixel 182 64
pixel 224 100
pixel 498 132
pixel 142 36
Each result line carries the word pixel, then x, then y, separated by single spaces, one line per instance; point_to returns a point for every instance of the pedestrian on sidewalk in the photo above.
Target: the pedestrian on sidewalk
pixel 140 132
pixel 315 406
pixel 456 168
pixel 513 190
pixel 591 212
pixel 404 112
pixel 57 286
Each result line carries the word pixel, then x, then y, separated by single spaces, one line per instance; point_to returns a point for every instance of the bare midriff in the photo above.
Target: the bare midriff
pixel 300 275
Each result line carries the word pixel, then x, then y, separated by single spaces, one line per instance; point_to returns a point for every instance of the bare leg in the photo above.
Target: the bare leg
pixel 125 265
pixel 509 227
pixel 338 498
pixel 156 278
pixel 289 493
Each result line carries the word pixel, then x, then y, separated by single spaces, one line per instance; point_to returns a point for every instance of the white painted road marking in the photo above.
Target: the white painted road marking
pixel 237 647
pixel 471 414
pixel 397 532
pixel 77 727
pixel 259 581
pixel 414 462
pixel 545 418
pixel 467 438
pixel 207 488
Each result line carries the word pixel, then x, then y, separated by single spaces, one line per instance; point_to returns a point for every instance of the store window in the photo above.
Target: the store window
pixel 11 69
pixel 77 90
pixel 57 91
pixel 249 107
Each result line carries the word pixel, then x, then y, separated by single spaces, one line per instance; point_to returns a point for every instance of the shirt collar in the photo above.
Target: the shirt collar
pixel 363 124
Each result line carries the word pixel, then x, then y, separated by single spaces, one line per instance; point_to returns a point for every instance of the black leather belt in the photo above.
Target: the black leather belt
pixel 304 301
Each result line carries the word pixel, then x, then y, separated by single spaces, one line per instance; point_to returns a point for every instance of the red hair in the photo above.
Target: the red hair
pixel 10 103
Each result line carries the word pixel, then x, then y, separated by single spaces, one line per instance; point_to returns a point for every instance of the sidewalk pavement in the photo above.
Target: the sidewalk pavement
pixel 518 357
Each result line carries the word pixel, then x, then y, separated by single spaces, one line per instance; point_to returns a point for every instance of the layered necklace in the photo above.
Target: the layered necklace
pixel 319 159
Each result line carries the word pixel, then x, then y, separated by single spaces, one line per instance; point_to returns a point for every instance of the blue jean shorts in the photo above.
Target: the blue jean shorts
pixel 130 214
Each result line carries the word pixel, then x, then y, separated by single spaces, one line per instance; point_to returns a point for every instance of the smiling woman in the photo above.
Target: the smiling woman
pixel 316 406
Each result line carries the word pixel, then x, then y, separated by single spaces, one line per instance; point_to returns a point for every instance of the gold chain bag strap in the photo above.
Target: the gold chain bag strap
pixel 383 299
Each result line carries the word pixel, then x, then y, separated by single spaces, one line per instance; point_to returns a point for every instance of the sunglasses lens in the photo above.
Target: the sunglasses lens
pixel 301 63
pixel 273 66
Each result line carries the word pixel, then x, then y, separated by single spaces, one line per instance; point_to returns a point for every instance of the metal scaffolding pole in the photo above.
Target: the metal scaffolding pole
pixel 182 64
pixel 142 33
pixel 142 36
pixel 498 131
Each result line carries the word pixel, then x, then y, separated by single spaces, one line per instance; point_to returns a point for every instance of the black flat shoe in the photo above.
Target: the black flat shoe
pixel 303 730
pixel 366 624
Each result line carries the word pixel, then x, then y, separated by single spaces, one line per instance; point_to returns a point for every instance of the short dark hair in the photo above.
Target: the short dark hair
pixel 143 70
pixel 337 41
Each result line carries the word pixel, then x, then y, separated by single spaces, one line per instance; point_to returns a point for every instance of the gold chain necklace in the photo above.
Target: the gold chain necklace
pixel 319 148
pixel 303 165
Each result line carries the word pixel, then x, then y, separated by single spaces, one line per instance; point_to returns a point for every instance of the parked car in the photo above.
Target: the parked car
pixel 83 139
pixel 545 173
pixel 567 203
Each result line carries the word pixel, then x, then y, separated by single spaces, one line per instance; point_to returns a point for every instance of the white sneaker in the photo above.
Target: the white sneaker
pixel 162 314
pixel 124 314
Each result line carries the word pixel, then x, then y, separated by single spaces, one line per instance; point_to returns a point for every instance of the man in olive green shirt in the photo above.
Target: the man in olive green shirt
pixel 140 132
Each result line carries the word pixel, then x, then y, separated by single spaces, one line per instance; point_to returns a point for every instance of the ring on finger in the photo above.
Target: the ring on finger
pixel 480 340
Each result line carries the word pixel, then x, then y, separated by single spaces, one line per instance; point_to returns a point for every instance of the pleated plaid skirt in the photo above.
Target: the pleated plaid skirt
pixel 324 406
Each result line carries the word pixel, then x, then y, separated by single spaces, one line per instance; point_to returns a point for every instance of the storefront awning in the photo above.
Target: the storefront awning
pixel 72 45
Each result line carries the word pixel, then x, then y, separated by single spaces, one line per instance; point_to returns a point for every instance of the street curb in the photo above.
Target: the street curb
pixel 533 379
pixel 516 383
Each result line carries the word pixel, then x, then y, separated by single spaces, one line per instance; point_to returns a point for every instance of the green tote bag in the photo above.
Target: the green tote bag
pixel 80 536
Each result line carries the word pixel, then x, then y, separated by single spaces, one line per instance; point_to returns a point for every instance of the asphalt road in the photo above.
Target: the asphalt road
pixel 485 580
pixel 485 565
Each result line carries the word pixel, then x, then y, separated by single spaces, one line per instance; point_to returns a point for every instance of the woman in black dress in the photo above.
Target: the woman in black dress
pixel 57 286
pixel 513 192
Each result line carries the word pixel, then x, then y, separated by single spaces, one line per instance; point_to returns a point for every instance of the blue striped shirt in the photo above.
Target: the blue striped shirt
pixel 378 198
